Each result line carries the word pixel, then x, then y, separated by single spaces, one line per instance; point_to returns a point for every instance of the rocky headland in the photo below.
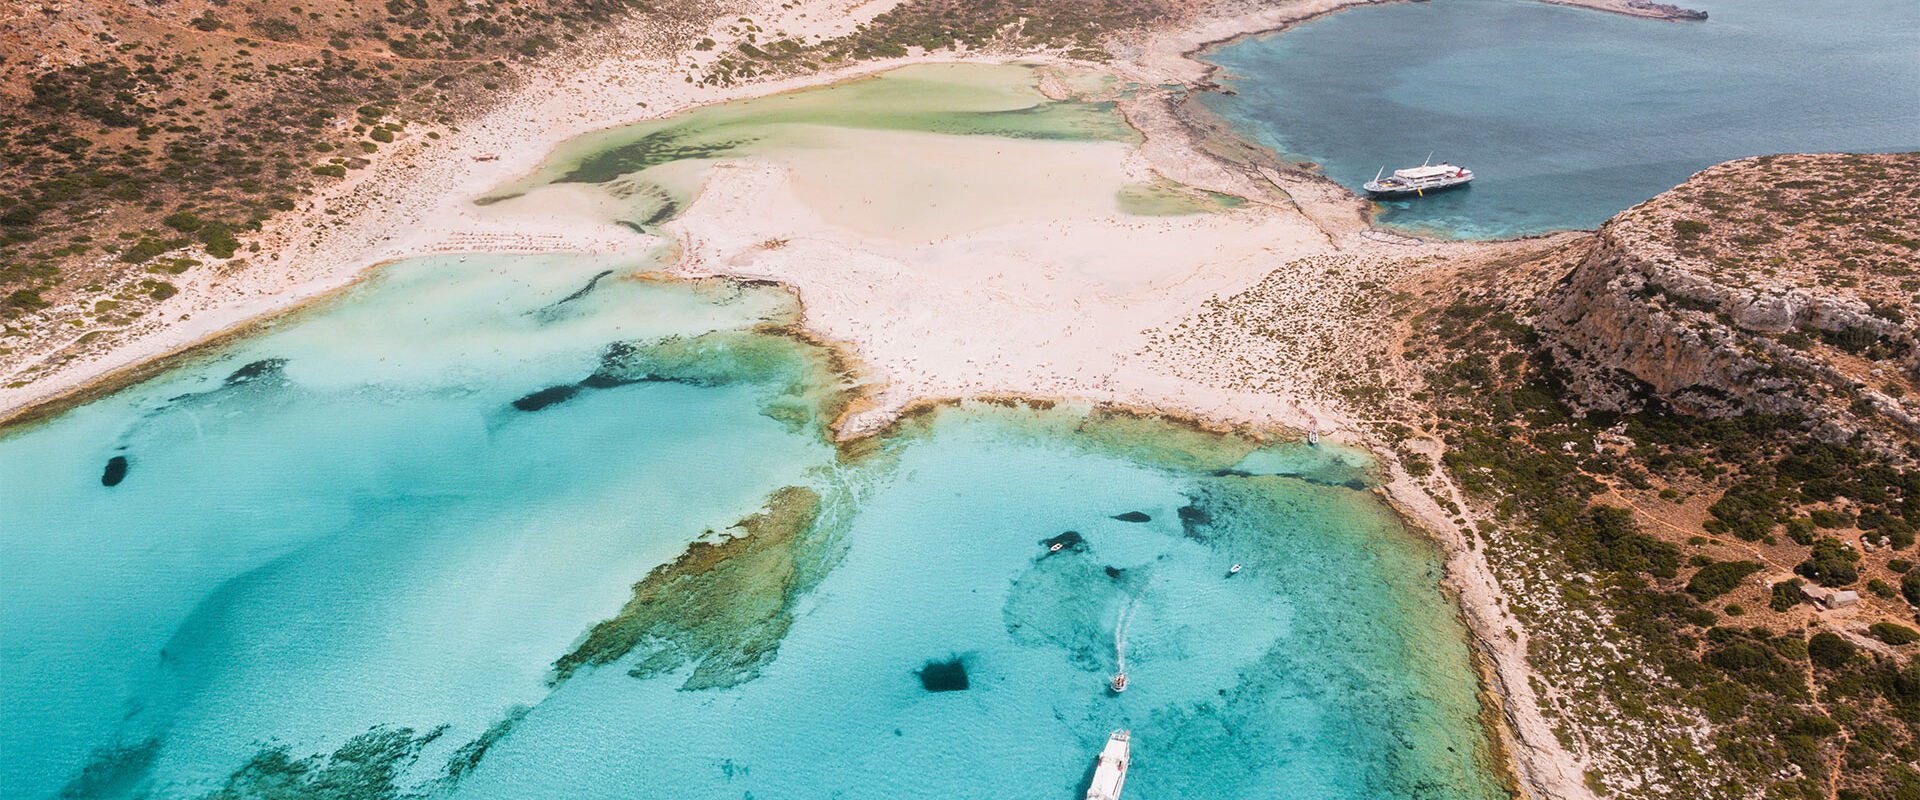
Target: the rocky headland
pixel 1773 285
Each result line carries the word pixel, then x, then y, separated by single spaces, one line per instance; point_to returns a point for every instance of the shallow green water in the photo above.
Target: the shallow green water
pixel 659 165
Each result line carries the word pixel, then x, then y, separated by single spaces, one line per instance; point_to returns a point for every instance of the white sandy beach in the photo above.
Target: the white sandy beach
pixel 1046 289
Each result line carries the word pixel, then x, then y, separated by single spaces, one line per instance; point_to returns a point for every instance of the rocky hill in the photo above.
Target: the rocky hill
pixel 1687 447
pixel 1774 285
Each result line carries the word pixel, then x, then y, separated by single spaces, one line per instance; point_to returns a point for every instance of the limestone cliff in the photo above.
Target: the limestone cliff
pixel 1781 284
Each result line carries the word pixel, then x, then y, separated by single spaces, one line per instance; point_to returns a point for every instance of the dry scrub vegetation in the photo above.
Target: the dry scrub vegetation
pixel 142 140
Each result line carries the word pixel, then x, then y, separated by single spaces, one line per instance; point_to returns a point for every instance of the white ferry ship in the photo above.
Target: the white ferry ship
pixel 1420 180
pixel 1111 770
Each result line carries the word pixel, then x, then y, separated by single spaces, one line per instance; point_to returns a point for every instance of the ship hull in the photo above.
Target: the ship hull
pixel 1110 770
pixel 1391 192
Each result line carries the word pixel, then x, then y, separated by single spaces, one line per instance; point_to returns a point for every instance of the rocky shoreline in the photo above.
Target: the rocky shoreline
pixel 1646 9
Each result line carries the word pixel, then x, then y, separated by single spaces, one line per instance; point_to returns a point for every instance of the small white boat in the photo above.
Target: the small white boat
pixel 1110 770
pixel 1119 682
pixel 1233 570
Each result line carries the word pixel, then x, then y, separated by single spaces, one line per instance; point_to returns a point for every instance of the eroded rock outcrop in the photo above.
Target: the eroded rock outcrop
pixel 1717 299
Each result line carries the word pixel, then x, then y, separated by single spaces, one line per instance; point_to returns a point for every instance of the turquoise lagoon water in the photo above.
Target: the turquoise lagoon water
pixel 1569 116
pixel 343 522
pixel 453 534
pixel 341 563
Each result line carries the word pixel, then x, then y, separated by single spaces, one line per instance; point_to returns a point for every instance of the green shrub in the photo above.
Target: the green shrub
pixel 1900 538
pixel 1748 509
pixel 1829 650
pixel 219 240
pixel 1910 587
pixel 147 247
pixel 183 221
pixel 1893 633
pixel 1606 537
pixel 1818 727
pixel 1714 580
pixel 25 300
pixel 277 29
pixel 1740 656
pixel 19 216
pixel 1826 518
pixel 380 135
pixel 1786 595
pixel 1724 701
pixel 1832 563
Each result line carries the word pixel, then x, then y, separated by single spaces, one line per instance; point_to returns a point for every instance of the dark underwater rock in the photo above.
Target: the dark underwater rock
pixel 266 367
pixel 585 290
pixel 1194 521
pixel 1069 541
pixel 547 397
pixel 1349 482
pixel 662 214
pixel 1133 516
pixel 116 471
pixel 553 310
pixel 112 769
pixel 614 361
pixel 949 675
pixel 601 380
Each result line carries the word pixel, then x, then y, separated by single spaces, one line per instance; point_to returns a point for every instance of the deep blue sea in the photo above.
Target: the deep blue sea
pixel 1568 116
pixel 341 557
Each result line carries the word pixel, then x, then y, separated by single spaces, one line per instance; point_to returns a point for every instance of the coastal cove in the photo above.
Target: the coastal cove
pixel 714 414
pixel 326 593
pixel 563 525
pixel 1564 133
